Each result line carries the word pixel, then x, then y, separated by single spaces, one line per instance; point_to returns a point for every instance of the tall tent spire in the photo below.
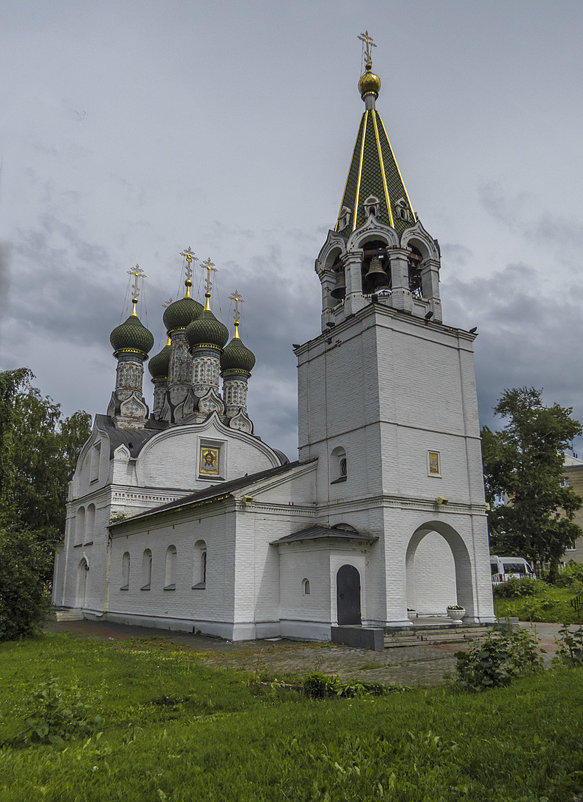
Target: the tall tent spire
pixel 374 184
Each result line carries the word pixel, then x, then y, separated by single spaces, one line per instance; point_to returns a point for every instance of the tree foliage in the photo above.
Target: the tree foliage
pixel 38 451
pixel 531 508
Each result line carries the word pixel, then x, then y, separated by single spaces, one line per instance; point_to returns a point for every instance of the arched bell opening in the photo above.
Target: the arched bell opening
pixel 336 265
pixel 376 271
pixel 438 571
pixel 415 259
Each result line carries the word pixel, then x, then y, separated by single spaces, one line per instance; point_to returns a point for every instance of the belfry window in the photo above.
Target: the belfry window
pixel 402 211
pixel 371 206
pixel 415 258
pixel 376 271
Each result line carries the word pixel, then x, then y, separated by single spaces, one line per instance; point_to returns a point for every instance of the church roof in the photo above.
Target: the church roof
pixel 324 533
pixel 374 172
pixel 213 493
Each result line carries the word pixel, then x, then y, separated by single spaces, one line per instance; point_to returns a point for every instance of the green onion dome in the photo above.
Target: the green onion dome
pixel 159 363
pixel 131 336
pixel 237 357
pixel 182 312
pixel 207 330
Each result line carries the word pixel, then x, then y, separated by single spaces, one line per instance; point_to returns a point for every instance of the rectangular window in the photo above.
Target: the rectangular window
pixel 433 463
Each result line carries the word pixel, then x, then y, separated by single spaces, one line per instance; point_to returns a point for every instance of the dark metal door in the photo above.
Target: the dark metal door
pixel 348 595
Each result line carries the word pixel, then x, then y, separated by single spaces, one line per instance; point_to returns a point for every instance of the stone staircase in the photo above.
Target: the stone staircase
pixel 433 634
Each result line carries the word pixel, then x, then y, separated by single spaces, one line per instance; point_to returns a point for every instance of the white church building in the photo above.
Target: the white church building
pixel 183 518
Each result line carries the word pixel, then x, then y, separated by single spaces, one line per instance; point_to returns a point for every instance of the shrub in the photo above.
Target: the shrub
pixel 24 598
pixel 497 659
pixel 570 645
pixel 55 718
pixel 571 577
pixel 321 686
pixel 513 588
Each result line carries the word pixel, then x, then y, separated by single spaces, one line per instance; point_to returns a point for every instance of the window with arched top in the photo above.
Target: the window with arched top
pixel 125 571
pixel 79 526
pixel 199 565
pixel 338 465
pixel 375 269
pixel 371 206
pixel 170 572
pixel 415 259
pixel 89 524
pixel 306 587
pixel 146 570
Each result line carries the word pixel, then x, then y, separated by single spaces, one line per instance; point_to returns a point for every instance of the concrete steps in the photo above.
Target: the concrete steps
pixel 66 615
pixel 435 634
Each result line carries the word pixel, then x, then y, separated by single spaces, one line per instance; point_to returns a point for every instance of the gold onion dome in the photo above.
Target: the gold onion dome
pixel 369 84
pixel 206 330
pixel 237 356
pixel 159 363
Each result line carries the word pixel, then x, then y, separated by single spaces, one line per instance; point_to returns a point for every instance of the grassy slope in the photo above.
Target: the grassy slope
pixel 550 604
pixel 227 741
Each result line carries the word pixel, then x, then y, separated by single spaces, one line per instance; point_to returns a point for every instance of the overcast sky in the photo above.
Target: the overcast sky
pixel 132 129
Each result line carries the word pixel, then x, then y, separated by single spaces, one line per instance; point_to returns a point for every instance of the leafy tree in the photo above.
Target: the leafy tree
pixel 531 509
pixel 38 452
pixel 24 596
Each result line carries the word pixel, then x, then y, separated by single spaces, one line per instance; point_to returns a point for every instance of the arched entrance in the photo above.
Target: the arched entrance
pixel 439 570
pixel 82 572
pixel 348 595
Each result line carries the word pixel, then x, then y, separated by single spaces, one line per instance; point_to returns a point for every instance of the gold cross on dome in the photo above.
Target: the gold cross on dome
pixel 237 299
pixel 209 267
pixel 137 273
pixel 367 42
pixel 190 258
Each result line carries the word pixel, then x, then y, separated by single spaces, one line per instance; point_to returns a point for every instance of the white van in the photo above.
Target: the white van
pixel 504 568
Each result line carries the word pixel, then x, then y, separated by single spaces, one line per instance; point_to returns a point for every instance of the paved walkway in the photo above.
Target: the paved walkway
pixel 422 665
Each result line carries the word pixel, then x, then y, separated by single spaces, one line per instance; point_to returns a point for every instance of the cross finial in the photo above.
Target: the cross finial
pixel 367 42
pixel 167 303
pixel 138 274
pixel 237 299
pixel 209 267
pixel 190 258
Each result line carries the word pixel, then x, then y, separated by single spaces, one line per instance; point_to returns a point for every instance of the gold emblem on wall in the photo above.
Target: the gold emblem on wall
pixel 209 461
pixel 434 462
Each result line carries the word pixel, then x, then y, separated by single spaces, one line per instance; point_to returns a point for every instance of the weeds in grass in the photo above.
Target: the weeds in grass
pixel 570 646
pixel 55 717
pixel 320 686
pixel 497 659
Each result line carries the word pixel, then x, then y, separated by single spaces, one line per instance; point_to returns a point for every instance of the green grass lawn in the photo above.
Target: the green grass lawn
pixel 174 729
pixel 549 604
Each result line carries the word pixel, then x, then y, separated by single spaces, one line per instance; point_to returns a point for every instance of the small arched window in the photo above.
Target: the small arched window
pixel 199 564
pixel 338 465
pixel 306 587
pixel 89 524
pixel 146 570
pixel 80 526
pixel 170 573
pixel 125 571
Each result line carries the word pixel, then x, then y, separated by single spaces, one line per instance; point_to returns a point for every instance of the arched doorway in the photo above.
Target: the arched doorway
pixel 348 595
pixel 82 572
pixel 438 570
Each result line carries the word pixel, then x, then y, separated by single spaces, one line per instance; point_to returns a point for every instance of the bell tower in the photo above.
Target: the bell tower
pixel 387 398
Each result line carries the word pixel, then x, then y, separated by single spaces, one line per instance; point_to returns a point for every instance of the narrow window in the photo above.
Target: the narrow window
pixel 146 570
pixel 95 459
pixel 433 463
pixel 306 587
pixel 170 574
pixel 338 465
pixel 125 571
pixel 199 565
pixel 89 524
pixel 80 526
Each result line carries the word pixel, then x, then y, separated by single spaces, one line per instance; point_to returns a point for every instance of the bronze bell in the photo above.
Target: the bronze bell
pixel 376 275
pixel 339 290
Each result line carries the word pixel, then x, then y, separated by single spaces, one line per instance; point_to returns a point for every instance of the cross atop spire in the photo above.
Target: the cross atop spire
pixel 237 299
pixel 367 43
pixel 138 274
pixel 209 267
